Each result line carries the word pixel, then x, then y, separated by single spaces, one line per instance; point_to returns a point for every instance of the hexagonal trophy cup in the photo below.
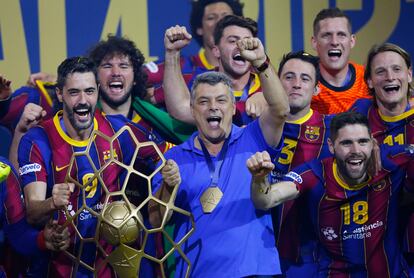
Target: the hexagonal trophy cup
pixel 108 211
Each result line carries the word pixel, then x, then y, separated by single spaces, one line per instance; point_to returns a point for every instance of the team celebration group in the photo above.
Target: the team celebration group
pixel 301 169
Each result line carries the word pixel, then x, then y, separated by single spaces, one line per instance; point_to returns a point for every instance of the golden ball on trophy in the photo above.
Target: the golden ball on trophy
pixel 120 231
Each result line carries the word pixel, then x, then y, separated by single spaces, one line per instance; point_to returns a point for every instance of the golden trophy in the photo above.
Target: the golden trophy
pixel 103 216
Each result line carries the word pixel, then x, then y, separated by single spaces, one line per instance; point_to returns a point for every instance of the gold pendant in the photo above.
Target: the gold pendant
pixel 210 199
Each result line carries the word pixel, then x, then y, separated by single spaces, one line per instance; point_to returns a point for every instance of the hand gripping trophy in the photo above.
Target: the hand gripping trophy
pixel 110 231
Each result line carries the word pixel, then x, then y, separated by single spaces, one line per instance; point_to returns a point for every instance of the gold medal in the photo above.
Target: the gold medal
pixel 210 199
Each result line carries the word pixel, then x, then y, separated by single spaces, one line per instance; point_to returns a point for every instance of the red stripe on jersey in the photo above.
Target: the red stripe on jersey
pixel 15 109
pixel 330 220
pixel 375 257
pixel 309 145
pixel 13 205
pixel 36 157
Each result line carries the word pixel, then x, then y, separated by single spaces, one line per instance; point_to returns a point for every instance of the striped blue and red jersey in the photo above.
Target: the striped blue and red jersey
pixel 252 87
pixel 397 130
pixel 190 66
pixel 12 108
pixel 12 208
pixel 357 225
pixel 303 140
pixel 45 154
pixel 17 232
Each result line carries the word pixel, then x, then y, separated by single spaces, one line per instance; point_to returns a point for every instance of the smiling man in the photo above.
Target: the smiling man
pixel 121 79
pixel 45 154
pixel 389 76
pixel 231 239
pixel 342 81
pixel 354 215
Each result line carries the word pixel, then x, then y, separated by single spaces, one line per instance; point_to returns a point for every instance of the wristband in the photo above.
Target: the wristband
pixel 41 241
pixel 263 66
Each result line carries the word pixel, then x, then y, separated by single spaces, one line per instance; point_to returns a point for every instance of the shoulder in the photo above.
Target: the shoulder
pixel 182 150
pixel 36 134
pixel 362 105
pixel 358 68
pixel 120 119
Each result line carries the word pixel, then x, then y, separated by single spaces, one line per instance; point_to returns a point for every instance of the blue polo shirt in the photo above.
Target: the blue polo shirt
pixel 235 240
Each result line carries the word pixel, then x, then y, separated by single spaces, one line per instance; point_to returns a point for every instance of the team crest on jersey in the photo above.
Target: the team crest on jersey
pixel 412 123
pixel 312 132
pixel 107 155
pixel 379 185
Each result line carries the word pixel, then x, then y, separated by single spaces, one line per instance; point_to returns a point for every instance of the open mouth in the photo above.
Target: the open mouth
pixel 391 88
pixel 335 53
pixel 214 121
pixel 83 113
pixel 355 162
pixel 239 59
pixel 116 85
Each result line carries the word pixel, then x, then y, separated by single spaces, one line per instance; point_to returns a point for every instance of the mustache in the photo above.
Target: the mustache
pixel 82 106
pixel 356 156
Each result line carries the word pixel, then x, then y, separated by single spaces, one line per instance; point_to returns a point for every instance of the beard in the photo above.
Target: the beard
pixel 352 177
pixel 114 102
pixel 228 69
pixel 76 124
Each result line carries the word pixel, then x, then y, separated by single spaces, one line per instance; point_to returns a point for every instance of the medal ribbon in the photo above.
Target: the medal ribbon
pixel 215 169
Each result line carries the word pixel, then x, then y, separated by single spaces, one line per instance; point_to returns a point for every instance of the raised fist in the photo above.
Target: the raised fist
pixel 176 38
pixel 260 164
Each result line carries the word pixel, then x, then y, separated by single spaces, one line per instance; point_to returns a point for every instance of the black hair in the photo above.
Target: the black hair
pixel 303 56
pixel 347 118
pixel 234 20
pixel 74 64
pixel 122 46
pixel 197 13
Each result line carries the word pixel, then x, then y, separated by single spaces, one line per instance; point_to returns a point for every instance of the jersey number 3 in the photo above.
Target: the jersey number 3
pixel 287 151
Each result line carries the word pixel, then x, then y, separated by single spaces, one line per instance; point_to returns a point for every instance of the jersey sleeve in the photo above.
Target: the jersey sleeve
pixel 18 101
pixel 18 232
pixel 12 200
pixel 305 176
pixel 31 153
pixel 362 106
